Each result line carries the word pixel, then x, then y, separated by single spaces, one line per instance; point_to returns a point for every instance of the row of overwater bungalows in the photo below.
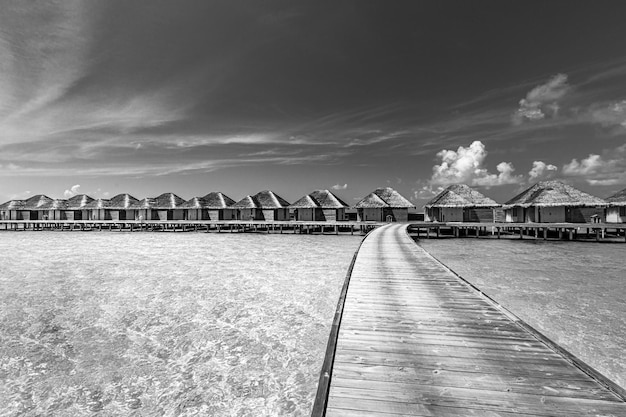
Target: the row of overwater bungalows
pixel 383 204
pixel 544 202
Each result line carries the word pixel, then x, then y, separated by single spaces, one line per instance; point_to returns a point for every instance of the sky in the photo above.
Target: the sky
pixel 146 97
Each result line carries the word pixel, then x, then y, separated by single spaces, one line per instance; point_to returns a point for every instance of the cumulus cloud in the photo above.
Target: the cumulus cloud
pixel 542 100
pixel 339 187
pixel 607 169
pixel 540 169
pixel 613 114
pixel 465 165
pixel 72 191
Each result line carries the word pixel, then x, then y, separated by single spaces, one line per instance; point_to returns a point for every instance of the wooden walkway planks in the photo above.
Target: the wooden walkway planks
pixel 415 340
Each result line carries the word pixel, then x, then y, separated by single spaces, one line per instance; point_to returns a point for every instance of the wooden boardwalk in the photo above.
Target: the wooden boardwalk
pixel 416 340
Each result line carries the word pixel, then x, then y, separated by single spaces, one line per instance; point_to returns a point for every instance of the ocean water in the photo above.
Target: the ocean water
pixel 573 292
pixel 165 324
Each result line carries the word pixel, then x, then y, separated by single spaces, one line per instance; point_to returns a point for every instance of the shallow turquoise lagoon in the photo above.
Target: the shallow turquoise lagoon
pixel 168 324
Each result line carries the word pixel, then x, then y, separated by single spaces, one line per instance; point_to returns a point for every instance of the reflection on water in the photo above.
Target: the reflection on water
pixel 573 292
pixel 165 324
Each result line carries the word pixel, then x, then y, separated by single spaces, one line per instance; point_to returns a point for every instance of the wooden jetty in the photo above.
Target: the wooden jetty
pixel 411 338
pixel 225 226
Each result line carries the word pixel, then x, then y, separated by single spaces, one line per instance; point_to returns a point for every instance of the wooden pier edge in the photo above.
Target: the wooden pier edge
pixel 567 355
pixel 323 385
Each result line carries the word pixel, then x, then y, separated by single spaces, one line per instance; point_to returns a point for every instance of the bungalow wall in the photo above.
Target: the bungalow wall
pixel 98 214
pixel 56 215
pixel 221 214
pixel 396 214
pixel 194 214
pixel 444 214
pixel 305 214
pixel 370 214
pixel 478 215
pixel 583 214
pixel 332 215
pixel 276 214
pixel 616 214
pixel 249 214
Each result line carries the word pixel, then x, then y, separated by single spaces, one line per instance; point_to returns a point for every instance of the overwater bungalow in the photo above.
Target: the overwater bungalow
pixel 32 208
pixel 164 207
pixel 384 205
pixel 213 206
pixel 553 202
pixel 616 210
pixel 10 210
pixel 54 210
pixel 320 205
pixel 75 209
pixel 120 207
pixel 264 205
pixel 96 209
pixel 460 203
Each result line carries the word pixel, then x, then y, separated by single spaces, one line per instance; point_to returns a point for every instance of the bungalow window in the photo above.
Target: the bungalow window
pixel 622 211
pixel 515 212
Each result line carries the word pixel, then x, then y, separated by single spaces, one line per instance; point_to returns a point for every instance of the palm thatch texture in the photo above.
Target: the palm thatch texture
pixel 167 201
pixel 56 204
pixel 122 202
pixel 35 202
pixel 553 194
pixel 97 204
pixel 385 197
pixel 12 205
pixel 617 199
pixel 323 199
pixel 212 201
pixel 461 196
pixel 265 200
pixel 78 202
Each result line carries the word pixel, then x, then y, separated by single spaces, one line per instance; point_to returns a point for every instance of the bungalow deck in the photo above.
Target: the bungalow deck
pixel 414 339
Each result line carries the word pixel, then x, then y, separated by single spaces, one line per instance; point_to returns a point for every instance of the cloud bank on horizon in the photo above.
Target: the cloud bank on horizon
pixel 252 92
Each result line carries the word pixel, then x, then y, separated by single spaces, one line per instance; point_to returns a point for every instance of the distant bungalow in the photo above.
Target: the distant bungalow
pixel 96 209
pixel 164 207
pixel 10 210
pixel 616 211
pixel 265 205
pixel 34 208
pixel 383 205
pixel 320 205
pixel 76 209
pixel 553 202
pixel 213 206
pixel 460 202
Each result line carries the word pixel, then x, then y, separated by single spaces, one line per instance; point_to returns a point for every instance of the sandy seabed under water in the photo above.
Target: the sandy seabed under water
pixel 164 324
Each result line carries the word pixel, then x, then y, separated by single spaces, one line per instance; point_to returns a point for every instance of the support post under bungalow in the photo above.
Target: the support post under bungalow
pixel 521 233
pixel 437 229
pixel 498 229
pixel 597 235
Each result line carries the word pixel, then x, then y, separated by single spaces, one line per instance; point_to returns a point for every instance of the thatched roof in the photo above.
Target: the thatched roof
pixel 218 200
pixel 12 205
pixel 212 201
pixel 461 195
pixel 167 201
pixel 35 202
pixel 122 202
pixel 97 204
pixel 245 203
pixel 552 194
pixel 384 197
pixel 323 199
pixel 56 204
pixel 78 202
pixel 146 203
pixel 617 199
pixel 265 200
